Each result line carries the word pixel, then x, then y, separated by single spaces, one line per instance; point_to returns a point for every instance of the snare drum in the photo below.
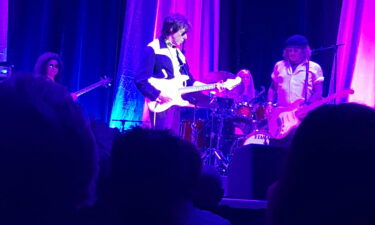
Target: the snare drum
pixel 257 137
pixel 244 109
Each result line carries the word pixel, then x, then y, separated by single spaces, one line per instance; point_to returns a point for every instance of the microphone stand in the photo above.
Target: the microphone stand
pixel 335 62
pixel 123 122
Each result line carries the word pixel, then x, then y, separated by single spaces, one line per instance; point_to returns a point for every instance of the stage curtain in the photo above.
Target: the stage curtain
pixel 356 58
pixel 252 34
pixel 3 29
pixel 86 33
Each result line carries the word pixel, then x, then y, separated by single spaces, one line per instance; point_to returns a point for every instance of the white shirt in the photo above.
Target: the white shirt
pixel 290 85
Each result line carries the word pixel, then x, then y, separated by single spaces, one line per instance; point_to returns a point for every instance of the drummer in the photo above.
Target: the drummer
pixel 243 94
pixel 245 91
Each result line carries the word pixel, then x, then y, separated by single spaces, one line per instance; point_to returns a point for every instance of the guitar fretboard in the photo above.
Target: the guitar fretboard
pixel 91 87
pixel 316 104
pixel 191 89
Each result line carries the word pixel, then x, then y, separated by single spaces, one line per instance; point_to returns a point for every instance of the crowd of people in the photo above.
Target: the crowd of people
pixel 55 170
pixel 50 166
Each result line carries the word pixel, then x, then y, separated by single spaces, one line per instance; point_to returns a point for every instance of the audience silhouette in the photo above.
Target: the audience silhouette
pixel 329 175
pixel 48 160
pixel 153 177
pixel 209 190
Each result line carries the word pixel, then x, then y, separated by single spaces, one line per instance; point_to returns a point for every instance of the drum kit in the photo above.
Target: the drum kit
pixel 225 126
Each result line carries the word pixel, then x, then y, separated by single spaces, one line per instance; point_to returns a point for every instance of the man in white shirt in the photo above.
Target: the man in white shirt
pixel 296 77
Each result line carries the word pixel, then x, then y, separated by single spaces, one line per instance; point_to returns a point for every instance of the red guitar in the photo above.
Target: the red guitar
pixel 283 119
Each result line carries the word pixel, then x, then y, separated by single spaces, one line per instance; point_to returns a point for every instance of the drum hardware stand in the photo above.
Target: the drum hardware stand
pixel 194 128
pixel 236 144
pixel 214 156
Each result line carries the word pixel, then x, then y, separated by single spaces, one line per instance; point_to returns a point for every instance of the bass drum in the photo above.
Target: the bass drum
pixel 257 137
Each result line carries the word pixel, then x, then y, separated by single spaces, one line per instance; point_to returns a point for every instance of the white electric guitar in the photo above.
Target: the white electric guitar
pixel 174 89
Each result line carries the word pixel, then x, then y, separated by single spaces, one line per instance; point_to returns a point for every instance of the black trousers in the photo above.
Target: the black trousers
pixel 167 120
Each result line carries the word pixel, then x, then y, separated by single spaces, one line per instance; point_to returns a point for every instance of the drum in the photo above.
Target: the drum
pixel 257 137
pixel 262 111
pixel 244 109
pixel 194 132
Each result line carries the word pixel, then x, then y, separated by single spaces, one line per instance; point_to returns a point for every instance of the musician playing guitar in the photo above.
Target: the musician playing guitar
pixel 163 60
pixel 295 80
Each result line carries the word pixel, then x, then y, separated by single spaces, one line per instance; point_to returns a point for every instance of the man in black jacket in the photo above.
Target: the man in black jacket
pixel 164 60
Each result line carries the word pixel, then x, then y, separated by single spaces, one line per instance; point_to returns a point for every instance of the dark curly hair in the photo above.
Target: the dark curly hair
pixel 40 68
pixel 174 23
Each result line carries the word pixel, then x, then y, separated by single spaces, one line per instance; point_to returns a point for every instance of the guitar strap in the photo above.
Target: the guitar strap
pixel 154 119
pixel 179 59
pixel 306 79
pixel 182 67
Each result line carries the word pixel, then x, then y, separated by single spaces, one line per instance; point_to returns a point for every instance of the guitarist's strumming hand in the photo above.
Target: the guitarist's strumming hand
pixel 163 99
pixel 302 110
pixel 301 113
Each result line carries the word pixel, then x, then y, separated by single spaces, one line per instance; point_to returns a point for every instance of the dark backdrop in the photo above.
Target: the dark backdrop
pixel 253 33
pixel 87 34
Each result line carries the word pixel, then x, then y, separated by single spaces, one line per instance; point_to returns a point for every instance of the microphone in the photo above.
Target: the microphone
pixel 335 46
pixel 261 92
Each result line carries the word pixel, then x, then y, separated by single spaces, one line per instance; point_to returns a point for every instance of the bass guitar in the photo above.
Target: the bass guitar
pixel 173 88
pixel 105 81
pixel 283 119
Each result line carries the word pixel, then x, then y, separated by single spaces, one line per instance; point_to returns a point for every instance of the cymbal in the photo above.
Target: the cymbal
pixel 217 76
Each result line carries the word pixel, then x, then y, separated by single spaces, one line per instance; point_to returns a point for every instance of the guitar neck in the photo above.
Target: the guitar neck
pixel 87 89
pixel 323 101
pixel 191 89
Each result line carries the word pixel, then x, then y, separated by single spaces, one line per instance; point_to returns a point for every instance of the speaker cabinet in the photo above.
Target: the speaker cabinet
pixel 253 169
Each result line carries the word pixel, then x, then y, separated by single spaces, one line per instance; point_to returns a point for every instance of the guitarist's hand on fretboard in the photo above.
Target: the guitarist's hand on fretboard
pixel 220 86
pixel 74 96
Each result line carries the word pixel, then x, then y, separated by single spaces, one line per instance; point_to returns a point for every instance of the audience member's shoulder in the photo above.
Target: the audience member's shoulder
pixel 204 217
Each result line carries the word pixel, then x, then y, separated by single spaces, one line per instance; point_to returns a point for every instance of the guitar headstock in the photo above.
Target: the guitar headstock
pixel 105 81
pixel 232 83
pixel 344 93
